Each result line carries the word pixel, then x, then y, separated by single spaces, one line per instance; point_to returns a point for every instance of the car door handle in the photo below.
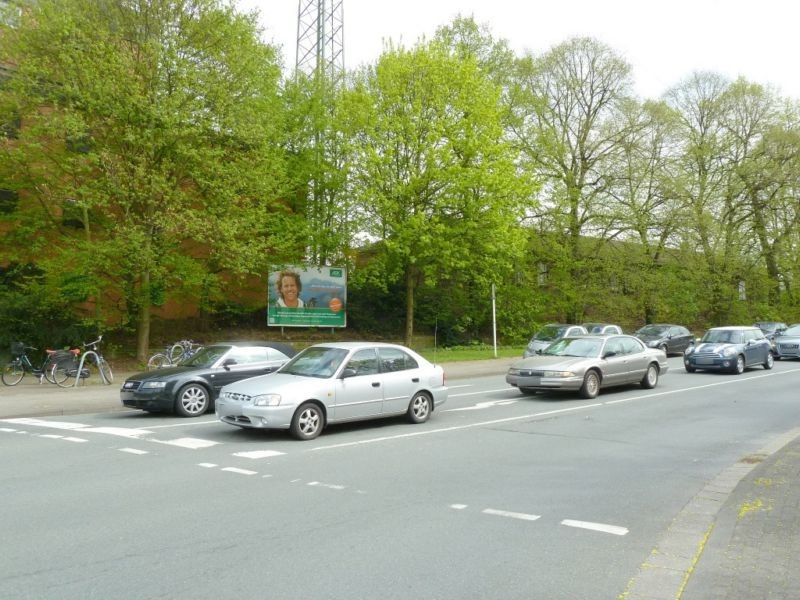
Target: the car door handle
pixel 376 384
pixel 415 379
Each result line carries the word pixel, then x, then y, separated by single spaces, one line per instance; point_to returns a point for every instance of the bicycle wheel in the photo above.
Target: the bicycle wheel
pixel 13 373
pixel 55 375
pixel 105 371
pixel 157 361
pixel 175 353
pixel 65 374
pixel 48 370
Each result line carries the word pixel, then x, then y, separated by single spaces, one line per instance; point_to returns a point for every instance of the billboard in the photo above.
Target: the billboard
pixel 307 297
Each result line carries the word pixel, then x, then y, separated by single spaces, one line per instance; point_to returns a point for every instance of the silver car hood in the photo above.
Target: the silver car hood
pixel 273 383
pixel 554 363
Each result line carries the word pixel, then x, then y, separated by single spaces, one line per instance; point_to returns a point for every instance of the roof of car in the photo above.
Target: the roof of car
pixel 734 327
pixel 279 346
pixel 351 345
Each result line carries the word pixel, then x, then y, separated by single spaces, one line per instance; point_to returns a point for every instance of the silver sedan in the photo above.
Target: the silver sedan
pixel 334 383
pixel 587 363
pixel 787 343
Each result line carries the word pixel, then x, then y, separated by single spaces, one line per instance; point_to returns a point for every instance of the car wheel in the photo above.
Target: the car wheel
pixel 307 422
pixel 192 400
pixel 591 385
pixel 527 391
pixel 769 362
pixel 738 368
pixel 690 369
pixel 650 379
pixel 419 409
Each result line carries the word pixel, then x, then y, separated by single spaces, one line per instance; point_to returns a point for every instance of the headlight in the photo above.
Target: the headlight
pixel 558 374
pixel 652 343
pixel 689 350
pixel 729 351
pixel 155 385
pixel 267 400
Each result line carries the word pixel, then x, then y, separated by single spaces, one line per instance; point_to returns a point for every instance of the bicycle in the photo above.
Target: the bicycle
pixel 173 354
pixel 14 371
pixel 68 373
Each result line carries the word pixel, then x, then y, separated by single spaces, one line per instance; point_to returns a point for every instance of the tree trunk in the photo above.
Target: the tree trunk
pixel 410 287
pixel 143 325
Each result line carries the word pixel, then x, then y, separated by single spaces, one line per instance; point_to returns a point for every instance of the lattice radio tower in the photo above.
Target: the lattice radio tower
pixel 320 38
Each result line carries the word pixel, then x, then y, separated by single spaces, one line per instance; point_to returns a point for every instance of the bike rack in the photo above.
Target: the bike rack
pixel 80 367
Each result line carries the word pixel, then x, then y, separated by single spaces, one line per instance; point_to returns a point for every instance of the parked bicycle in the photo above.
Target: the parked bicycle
pixel 173 354
pixel 21 364
pixel 69 373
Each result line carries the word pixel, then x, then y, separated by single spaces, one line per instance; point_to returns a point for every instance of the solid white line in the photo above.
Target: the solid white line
pixel 259 454
pixel 512 515
pixel 505 389
pixel 191 443
pixel 612 529
pixel 190 423
pixel 457 427
pixel 133 451
pixel 240 471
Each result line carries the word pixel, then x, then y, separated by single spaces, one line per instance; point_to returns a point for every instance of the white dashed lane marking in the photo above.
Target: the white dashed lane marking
pixel 602 527
pixel 133 451
pixel 239 471
pixel 511 515
pixel 259 454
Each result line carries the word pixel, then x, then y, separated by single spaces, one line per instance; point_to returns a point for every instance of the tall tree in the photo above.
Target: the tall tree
pixel 568 126
pixel 149 156
pixel 433 171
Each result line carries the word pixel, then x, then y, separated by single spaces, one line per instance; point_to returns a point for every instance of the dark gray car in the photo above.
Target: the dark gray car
pixel 729 349
pixel 671 339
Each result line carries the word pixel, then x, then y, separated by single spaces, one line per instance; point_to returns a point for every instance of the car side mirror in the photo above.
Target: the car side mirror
pixel 226 364
pixel 348 372
pixel 609 354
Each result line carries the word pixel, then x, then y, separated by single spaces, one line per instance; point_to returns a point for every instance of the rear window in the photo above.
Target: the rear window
pixel 549 333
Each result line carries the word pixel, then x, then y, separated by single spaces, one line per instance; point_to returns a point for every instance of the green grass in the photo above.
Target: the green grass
pixel 455 353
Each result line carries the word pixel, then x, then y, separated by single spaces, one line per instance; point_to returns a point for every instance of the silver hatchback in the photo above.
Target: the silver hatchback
pixel 334 383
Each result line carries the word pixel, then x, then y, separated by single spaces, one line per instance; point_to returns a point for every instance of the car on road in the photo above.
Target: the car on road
pixel 733 349
pixel 549 334
pixel 335 383
pixel 771 329
pixel 191 388
pixel 602 328
pixel 587 363
pixel 671 339
pixel 787 343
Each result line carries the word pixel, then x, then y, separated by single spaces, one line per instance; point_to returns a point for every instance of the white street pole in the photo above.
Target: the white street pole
pixel 494 324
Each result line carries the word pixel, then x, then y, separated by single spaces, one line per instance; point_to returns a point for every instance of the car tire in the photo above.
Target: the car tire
pixel 650 379
pixel 420 408
pixel 527 391
pixel 738 368
pixel 307 422
pixel 591 385
pixel 192 400
pixel 769 362
pixel 690 369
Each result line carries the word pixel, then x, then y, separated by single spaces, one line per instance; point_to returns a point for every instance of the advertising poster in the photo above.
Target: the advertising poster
pixel 307 297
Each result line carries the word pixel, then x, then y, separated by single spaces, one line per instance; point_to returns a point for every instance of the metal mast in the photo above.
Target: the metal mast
pixel 320 38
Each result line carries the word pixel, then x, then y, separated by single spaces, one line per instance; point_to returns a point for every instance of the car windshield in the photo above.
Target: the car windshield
pixel 723 336
pixel 793 331
pixel 579 347
pixel 549 333
pixel 206 357
pixel 316 361
pixel 768 326
pixel 652 330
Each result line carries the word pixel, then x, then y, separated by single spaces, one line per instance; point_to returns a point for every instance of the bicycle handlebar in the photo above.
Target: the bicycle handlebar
pixel 94 343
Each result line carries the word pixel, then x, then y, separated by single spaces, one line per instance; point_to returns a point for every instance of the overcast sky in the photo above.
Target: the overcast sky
pixel 663 41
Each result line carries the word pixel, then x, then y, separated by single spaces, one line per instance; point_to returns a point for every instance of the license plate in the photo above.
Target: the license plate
pixel 790 346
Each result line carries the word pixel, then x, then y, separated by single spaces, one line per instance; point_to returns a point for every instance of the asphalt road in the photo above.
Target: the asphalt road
pixel 498 496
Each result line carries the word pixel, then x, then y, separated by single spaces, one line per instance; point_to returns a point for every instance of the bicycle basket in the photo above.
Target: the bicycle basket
pixel 64 358
pixel 17 348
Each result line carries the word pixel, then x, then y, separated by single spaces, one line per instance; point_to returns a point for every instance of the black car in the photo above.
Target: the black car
pixel 771 329
pixel 191 389
pixel 672 339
